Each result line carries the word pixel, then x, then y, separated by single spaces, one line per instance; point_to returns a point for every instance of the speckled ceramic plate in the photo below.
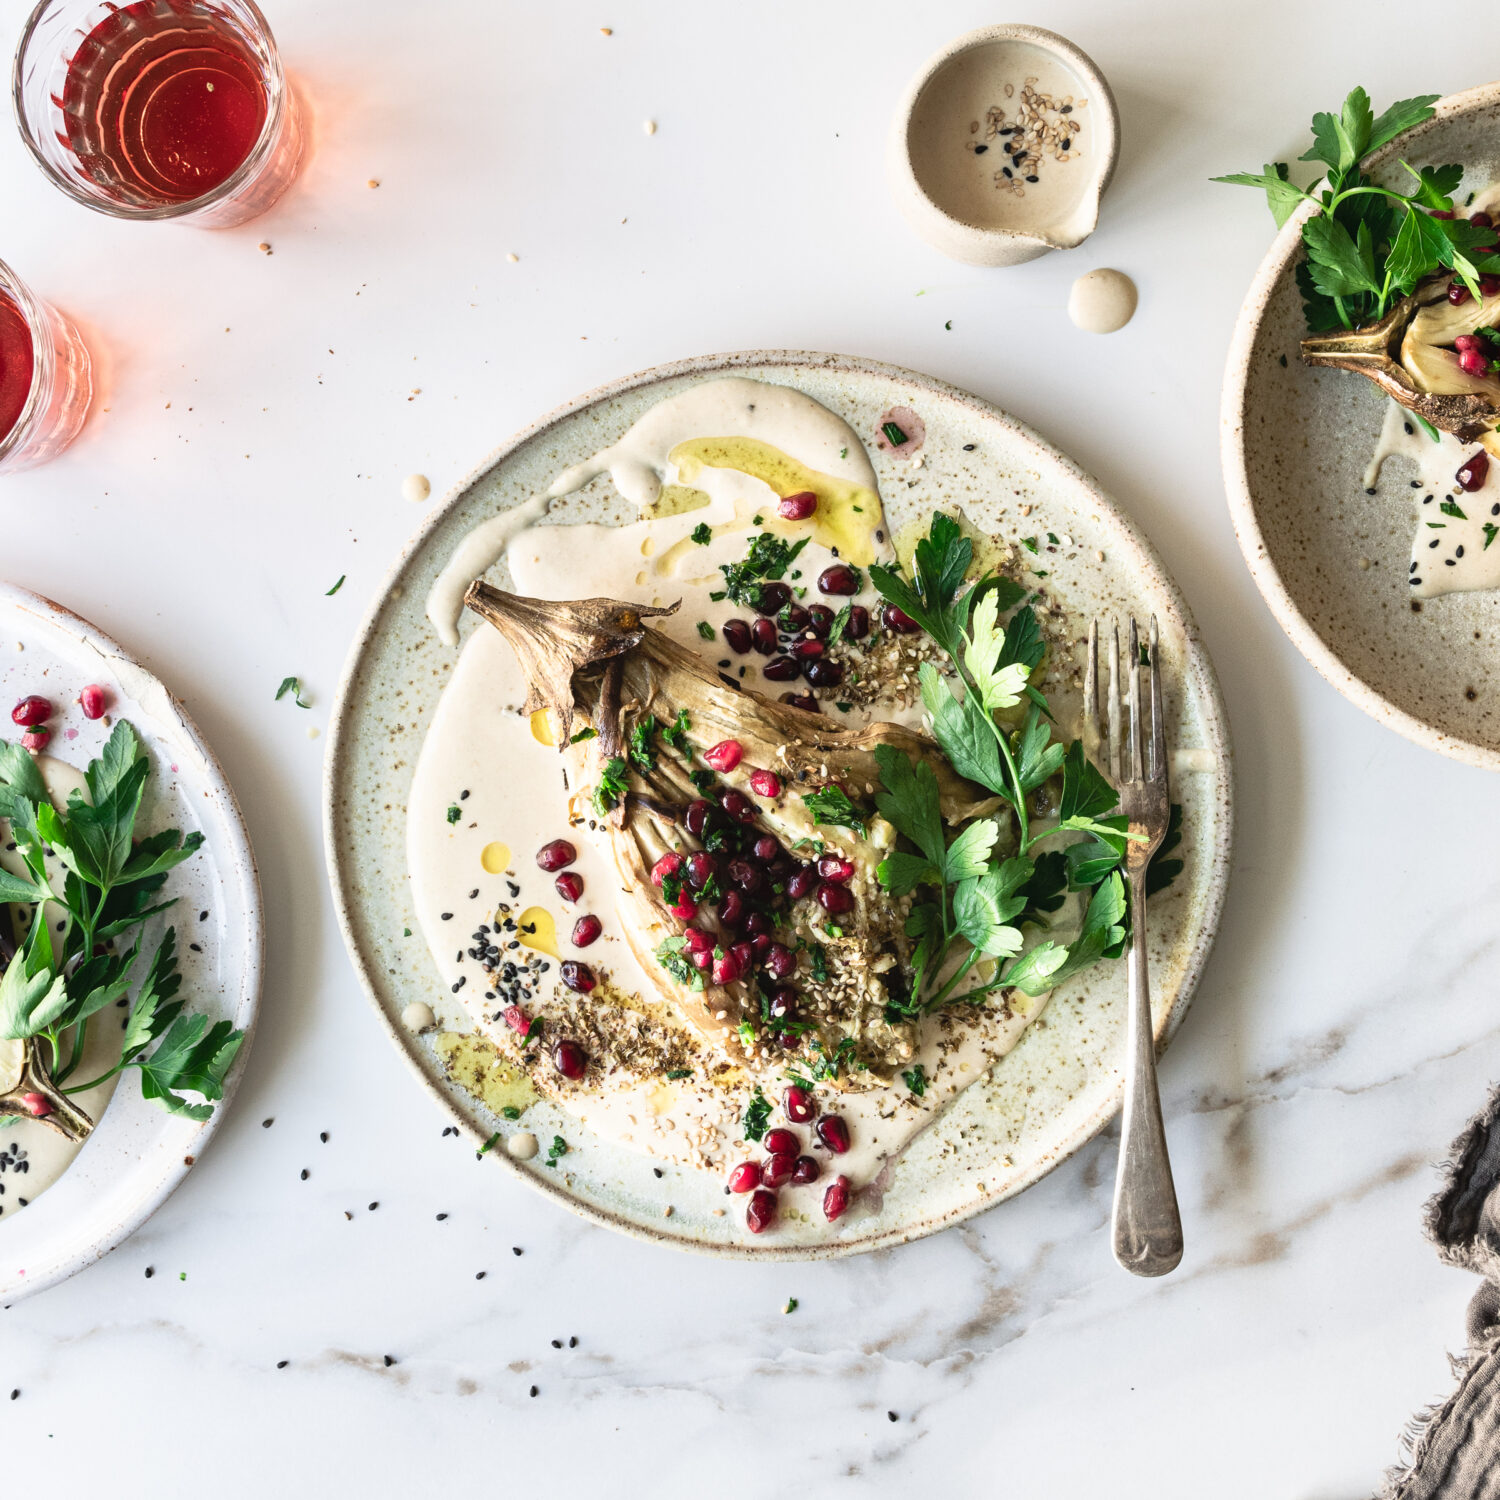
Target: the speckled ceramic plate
pixel 1295 445
pixel 1063 1082
pixel 138 1152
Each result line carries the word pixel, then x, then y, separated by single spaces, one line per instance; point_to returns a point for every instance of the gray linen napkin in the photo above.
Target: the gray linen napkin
pixel 1454 1448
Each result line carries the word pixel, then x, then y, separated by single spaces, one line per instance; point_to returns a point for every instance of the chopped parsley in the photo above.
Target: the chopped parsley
pixel 703 533
pixel 489 1145
pixel 1490 533
pixel 893 434
pixel 642 752
pixel 1450 508
pixel 830 805
pixel 840 625
pixel 757 1115
pixel 673 1074
pixel 612 786
pixel 675 734
pixel 791 1305
pixel 819 955
pixel 556 1151
pixel 768 559
pixel 916 1079
pixel 454 814
pixel 582 735
pixel 705 781
pixel 293 686
pixel 672 957
pixel 705 630
pixel 337 586
pixel 511 1112
pixel 1029 543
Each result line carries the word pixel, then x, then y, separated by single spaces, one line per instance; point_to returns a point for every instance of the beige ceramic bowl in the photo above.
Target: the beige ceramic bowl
pixel 1330 559
pixel 950 173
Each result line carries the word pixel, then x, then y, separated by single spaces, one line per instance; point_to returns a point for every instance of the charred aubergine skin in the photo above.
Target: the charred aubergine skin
pixel 600 661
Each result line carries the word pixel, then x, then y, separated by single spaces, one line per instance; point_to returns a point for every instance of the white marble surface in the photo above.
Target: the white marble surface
pixel 257 431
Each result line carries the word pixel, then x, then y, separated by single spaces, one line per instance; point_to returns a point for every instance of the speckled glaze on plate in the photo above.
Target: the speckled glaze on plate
pixel 138 1153
pixel 1295 445
pixel 1063 1082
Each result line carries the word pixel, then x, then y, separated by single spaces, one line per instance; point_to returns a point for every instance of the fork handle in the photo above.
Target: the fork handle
pixel 1147 1226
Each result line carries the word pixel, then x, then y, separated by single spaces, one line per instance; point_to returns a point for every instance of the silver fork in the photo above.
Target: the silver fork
pixel 1147 1231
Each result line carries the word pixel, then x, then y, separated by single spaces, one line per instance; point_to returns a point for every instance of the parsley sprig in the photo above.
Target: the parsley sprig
pixel 61 976
pixel 1367 242
pixel 971 894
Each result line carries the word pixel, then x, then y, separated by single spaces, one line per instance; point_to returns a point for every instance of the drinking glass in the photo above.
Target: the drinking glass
pixel 45 380
pixel 159 109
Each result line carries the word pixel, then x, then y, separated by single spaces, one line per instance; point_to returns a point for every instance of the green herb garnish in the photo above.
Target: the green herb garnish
pixel 489 1145
pixel 582 735
pixel 830 806
pixel 556 1151
pixel 1490 532
pixel 757 1115
pixel 768 559
pixel 613 785
pixel 510 1112
pixel 293 686
pixel 672 956
pixel 642 752
pixel 337 586
pixel 915 1079
pixel 1367 243
pixel 705 630
pixel 675 734
pixel 673 1074
pixel 1450 508
pixel 454 812
pixel 703 533
pixel 893 434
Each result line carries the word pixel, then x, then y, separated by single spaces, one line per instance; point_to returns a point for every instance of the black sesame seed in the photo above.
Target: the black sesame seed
pixel 1370 490
pixel 557 1343
pixel 1412 569
pixel 892 1416
pixel 1007 171
pixel 374 1205
pixel 281 1364
pixel 15 1393
pixel 323 1136
pixel 573 1342
pixel 1067 143
pixel 203 916
pixel 1408 427
pixel 305 1174
pixel 195 947
pixel 534 1391
pixel 1032 177
pixel 480 1275
pixel 463 796
pixel 150 1272
pixel 267 1123
pixel 980 150
pixel 1416 484
pixel 1434 542
pixel 1448 562
pixel 389 1361
pixel 516 1250
pixel 1414 581
pixel 1458 551
pixel 441 1217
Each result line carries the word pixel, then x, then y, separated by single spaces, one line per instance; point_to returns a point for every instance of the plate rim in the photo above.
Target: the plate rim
pixel 247 1011
pixel 708 365
pixel 1233 427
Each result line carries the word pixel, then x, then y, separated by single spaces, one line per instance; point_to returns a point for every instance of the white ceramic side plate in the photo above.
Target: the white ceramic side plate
pixel 138 1152
pixel 1063 1082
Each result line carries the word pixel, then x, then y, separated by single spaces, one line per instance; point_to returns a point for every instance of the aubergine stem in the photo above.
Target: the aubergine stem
pixel 1374 351
pixel 64 1116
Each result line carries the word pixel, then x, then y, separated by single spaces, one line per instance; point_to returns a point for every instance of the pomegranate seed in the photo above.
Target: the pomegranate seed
pixel 797 507
pixel 684 908
pixel 760 942
pixel 698 940
pixel 783 1006
pixel 557 855
pixel 701 868
pixel 825 674
pixel 742 954
pixel 1472 474
pixel 1481 219
pixel 793 618
pixel 586 930
pixel 805 1170
pixel 724 756
pixel 1472 362
pixel 765 783
pixel 1468 341
pixel 93 700
pixel 838 580
pixel 758 924
pixel 780 1142
pixel 747 876
pixel 774 597
pixel 31 711
pixel 800 882
pixel 765 848
pixel 738 806
pixel 732 909
pixel 578 977
pixel 745 1178
pixel 898 620
pixel 515 1018
pixel 569 1060
pixel 701 958
pixel 669 864
pixel 569 885
pixel 831 867
pixel 836 1199
pixel 38 1104
pixel 820 619
pixel 835 899
pixel 1489 285
pixel 1458 293
pixel 799 1105
pixel 1442 213
pixel 806 651
pixel 834 1133
pixel 36 739
pixel 857 626
pixel 805 701
pixel 761 1213
pixel 696 816
pixel 781 962
pixel 737 636
pixel 780 669
pixel 778 1168
pixel 727 970
pixel 763 637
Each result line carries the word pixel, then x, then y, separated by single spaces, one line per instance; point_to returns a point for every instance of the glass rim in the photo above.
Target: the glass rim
pixel 35 312
pixel 237 179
